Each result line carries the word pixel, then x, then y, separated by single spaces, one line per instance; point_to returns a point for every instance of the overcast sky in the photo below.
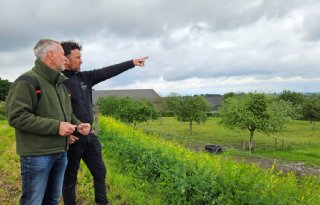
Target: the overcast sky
pixel 194 46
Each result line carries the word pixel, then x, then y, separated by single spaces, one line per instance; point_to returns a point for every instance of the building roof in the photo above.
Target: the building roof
pixel 149 94
pixel 214 100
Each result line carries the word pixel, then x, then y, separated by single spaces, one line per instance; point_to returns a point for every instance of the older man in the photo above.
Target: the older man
pixel 38 107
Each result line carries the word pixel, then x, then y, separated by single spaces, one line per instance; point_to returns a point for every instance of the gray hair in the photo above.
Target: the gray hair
pixel 44 46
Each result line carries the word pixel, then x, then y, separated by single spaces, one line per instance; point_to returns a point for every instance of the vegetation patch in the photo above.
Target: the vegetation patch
pixel 181 176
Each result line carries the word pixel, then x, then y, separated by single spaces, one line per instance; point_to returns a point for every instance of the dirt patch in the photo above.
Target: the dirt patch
pixel 299 168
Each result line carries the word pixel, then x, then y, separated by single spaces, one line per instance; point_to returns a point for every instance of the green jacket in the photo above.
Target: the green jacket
pixel 36 119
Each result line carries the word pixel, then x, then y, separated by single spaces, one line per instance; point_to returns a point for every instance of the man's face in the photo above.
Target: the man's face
pixel 74 60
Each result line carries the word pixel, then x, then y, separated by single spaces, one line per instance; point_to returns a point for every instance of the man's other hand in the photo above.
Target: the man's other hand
pixel 84 128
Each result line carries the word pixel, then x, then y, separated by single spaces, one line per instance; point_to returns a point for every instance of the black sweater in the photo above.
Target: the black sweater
pixel 80 86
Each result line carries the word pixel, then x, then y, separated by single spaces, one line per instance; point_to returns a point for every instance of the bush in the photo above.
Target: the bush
pixel 128 110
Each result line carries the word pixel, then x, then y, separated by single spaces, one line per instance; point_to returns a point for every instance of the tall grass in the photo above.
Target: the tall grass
pixel 122 189
pixel 180 176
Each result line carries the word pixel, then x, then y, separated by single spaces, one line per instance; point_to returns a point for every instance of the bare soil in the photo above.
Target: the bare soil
pixel 299 168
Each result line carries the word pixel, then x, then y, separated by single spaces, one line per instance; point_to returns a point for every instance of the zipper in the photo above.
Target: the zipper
pixel 64 115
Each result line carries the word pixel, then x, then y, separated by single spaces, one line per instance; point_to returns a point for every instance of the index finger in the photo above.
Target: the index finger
pixel 144 58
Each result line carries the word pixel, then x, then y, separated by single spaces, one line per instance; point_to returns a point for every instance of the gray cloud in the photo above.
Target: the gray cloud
pixel 202 39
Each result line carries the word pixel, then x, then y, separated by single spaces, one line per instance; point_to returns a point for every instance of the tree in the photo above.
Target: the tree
pixel 311 109
pixel 163 109
pixel 192 108
pixel 4 89
pixel 127 109
pixel 172 102
pixel 108 105
pixel 296 99
pixel 291 96
pixel 255 111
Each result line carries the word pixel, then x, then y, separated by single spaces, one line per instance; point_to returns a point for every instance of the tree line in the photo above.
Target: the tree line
pixel 249 111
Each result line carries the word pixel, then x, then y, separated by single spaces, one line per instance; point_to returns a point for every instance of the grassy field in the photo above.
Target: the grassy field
pixel 121 189
pixel 297 143
pixel 124 188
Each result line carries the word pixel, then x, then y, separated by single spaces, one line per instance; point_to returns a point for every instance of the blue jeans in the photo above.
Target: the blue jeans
pixel 42 178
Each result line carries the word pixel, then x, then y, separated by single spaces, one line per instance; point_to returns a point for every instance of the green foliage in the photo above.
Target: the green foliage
pixel 231 94
pixel 291 96
pixel 4 89
pixel 255 111
pixel 127 109
pixel 189 108
pixel 2 110
pixel 172 102
pixel 311 109
pixel 180 176
pixel 296 99
pixel 193 108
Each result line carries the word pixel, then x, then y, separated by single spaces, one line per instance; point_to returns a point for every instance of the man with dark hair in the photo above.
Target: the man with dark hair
pixel 87 148
pixel 38 107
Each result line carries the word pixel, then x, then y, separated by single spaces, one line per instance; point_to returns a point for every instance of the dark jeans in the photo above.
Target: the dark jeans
pixel 42 178
pixel 87 148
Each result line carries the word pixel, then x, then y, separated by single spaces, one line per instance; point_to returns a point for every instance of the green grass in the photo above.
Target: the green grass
pixel 10 180
pixel 182 176
pixel 122 189
pixel 298 142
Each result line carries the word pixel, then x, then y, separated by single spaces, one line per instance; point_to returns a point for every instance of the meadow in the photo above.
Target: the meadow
pixel 298 142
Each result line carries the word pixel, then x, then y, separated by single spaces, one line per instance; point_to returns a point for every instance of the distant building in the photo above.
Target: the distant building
pixel 148 94
pixel 214 100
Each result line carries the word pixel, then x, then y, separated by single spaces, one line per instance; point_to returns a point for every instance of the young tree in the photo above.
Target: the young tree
pixel 255 111
pixel 172 102
pixel 163 109
pixel 192 108
pixel 296 99
pixel 311 109
pixel 127 109
pixel 4 89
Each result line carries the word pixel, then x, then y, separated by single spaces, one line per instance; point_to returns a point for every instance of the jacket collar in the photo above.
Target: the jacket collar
pixel 48 73
pixel 69 72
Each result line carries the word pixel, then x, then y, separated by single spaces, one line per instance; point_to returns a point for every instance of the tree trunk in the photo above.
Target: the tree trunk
pixel 251 147
pixel 190 127
pixel 160 119
pixel 313 124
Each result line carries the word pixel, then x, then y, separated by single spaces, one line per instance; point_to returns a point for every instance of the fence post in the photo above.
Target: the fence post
pixel 275 144
pixel 96 120
pixel 282 145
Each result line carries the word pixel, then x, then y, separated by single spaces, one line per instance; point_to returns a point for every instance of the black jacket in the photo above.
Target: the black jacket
pixel 80 86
